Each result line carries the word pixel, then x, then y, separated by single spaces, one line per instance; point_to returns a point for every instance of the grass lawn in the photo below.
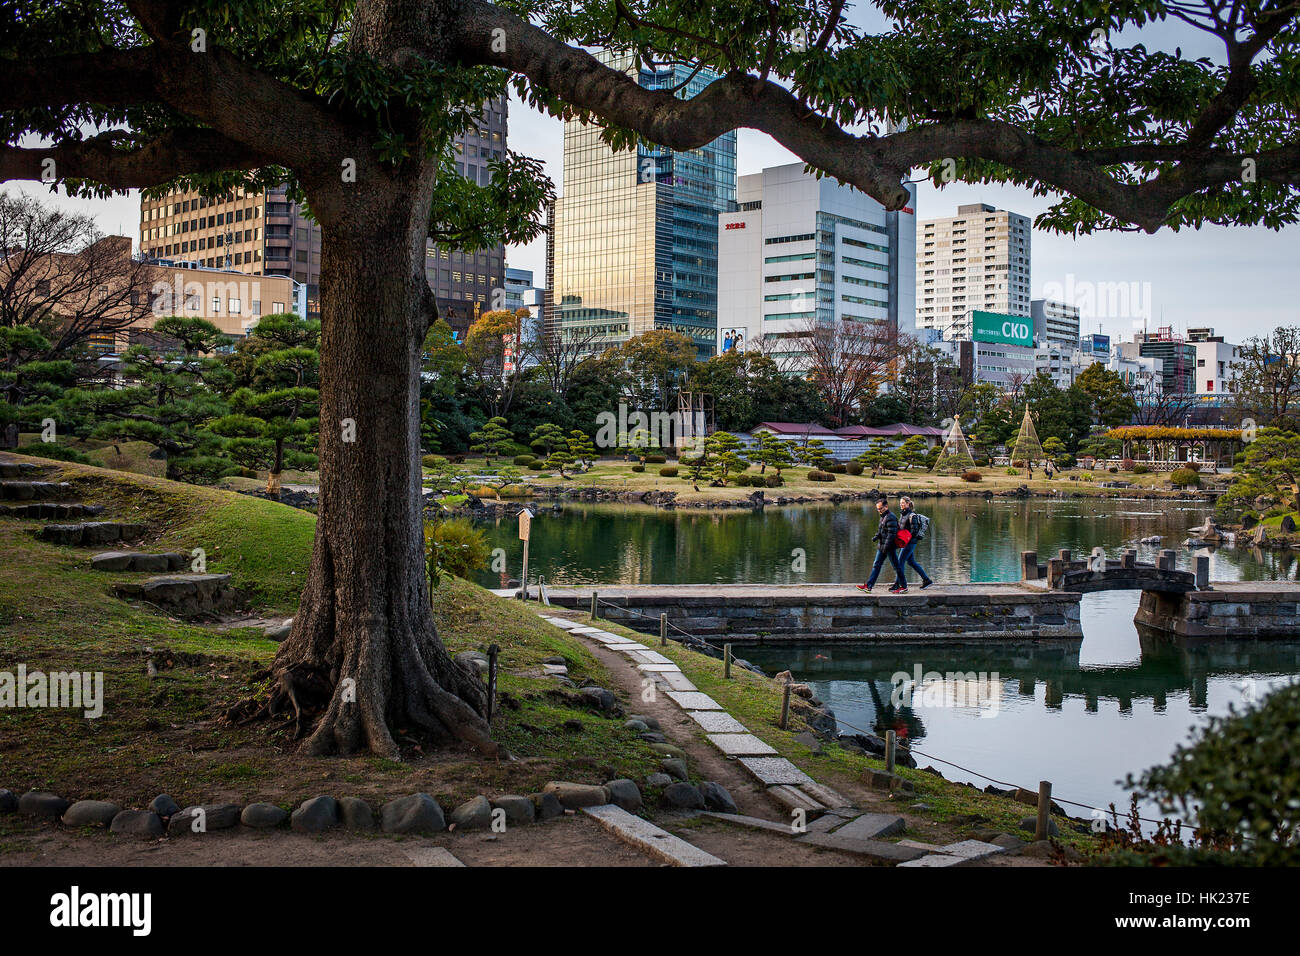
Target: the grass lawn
pixel 617 476
pixel 163 733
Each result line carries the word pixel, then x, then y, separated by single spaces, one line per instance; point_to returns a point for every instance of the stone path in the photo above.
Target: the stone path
pixel 835 823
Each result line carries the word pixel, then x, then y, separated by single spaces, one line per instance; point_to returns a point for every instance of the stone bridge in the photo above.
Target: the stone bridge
pixel 1098 573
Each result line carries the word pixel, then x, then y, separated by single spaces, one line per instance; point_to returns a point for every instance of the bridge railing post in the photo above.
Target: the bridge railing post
pixel 1202 572
pixel 1029 565
pixel 1167 559
pixel 1128 558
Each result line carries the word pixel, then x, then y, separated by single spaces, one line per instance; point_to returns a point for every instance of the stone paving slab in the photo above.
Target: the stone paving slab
pixel 694 700
pixel 676 680
pixel 740 745
pixel 792 798
pixel 756 822
pixel 624 648
pixel 658 668
pixel 971 849
pixel 876 849
pixel 431 856
pixel 654 657
pixel 872 826
pixel 717 722
pixel 774 770
pixel 936 859
pixel 654 840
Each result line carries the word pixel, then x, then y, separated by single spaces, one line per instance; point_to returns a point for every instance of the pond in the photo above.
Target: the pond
pixel 1083 720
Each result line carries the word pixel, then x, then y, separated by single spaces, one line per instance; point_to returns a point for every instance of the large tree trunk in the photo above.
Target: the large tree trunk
pixel 363 644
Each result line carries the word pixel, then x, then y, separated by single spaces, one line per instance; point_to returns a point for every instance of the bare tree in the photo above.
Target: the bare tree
pixel 60 276
pixel 1267 379
pixel 848 361
pixel 1157 406
pixel 559 351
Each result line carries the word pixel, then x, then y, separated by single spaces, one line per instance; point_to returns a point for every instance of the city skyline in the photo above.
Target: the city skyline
pixel 1238 280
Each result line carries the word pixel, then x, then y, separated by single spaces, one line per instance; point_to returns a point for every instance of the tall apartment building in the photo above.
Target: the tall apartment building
pixel 463 282
pixel 1055 323
pixel 977 259
pixel 265 233
pixel 799 250
pixel 634 243
pixel 1177 358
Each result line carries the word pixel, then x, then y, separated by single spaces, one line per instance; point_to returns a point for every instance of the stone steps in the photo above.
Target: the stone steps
pixel 139 561
pixel 17 469
pixel 51 509
pixel 33 490
pixel 91 532
pixel 185 595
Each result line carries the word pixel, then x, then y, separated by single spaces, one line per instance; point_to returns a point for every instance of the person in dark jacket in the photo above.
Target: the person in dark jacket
pixel 912 523
pixel 886 538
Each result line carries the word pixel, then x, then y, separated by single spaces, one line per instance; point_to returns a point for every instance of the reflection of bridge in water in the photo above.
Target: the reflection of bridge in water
pixel 1166 669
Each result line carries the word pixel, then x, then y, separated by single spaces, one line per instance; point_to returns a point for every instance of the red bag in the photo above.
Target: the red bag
pixel 903 537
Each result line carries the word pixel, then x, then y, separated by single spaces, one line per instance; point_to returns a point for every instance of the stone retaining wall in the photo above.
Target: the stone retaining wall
pixel 778 614
pixel 1262 610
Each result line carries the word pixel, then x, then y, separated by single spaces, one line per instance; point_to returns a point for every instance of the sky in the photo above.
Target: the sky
pixel 1241 281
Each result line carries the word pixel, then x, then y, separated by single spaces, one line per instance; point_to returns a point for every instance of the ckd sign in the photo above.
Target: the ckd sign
pixel 998 327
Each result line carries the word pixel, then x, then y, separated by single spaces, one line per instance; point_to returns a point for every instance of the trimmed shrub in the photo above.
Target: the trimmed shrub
pixel 48 449
pixel 853 467
pixel 774 481
pixel 1127 464
pixel 1064 461
pixel 971 476
pixel 638 467
pixel 983 462
pixel 1113 470
pixel 525 459
pixel 1192 466
pixel 838 469
pixel 816 475
pixel 433 461
pixel 1184 478
pixel 655 459
pixel 1141 470
pixel 536 465
pixel 668 471
pixel 743 481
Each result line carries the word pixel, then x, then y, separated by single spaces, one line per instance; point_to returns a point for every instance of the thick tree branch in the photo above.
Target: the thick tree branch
pixel 172 154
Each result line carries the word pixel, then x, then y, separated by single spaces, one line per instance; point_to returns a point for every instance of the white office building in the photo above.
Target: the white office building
pixel 1055 323
pixel 1214 358
pixel 798 250
pixel 975 260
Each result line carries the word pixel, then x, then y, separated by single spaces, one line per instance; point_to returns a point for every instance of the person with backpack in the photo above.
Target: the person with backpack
pixel 912 527
pixel 886 538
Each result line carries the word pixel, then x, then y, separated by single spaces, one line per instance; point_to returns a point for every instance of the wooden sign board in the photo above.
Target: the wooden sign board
pixel 525 524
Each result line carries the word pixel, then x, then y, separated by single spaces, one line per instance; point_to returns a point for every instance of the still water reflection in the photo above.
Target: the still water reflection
pixel 1082 718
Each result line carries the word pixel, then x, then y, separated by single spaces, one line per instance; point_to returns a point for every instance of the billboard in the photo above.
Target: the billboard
pixel 1005 329
pixel 1101 344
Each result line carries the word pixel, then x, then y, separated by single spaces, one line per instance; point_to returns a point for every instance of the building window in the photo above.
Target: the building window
pixel 216 304
pixel 277 308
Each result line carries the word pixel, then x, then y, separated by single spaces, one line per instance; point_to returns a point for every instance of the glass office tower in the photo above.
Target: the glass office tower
pixel 635 236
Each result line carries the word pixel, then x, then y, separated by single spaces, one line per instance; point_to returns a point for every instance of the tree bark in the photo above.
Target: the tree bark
pixel 363 645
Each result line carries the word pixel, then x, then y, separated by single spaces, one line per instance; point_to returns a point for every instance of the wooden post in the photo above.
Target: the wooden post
pixel 785 708
pixel 726 661
pixel 594 606
pixel 1064 555
pixel 1167 559
pixel 663 630
pixel 523 579
pixel 493 651
pixel 891 742
pixel 1044 809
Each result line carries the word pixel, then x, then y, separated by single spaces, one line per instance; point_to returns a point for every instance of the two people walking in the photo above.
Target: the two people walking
pixel 896 539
